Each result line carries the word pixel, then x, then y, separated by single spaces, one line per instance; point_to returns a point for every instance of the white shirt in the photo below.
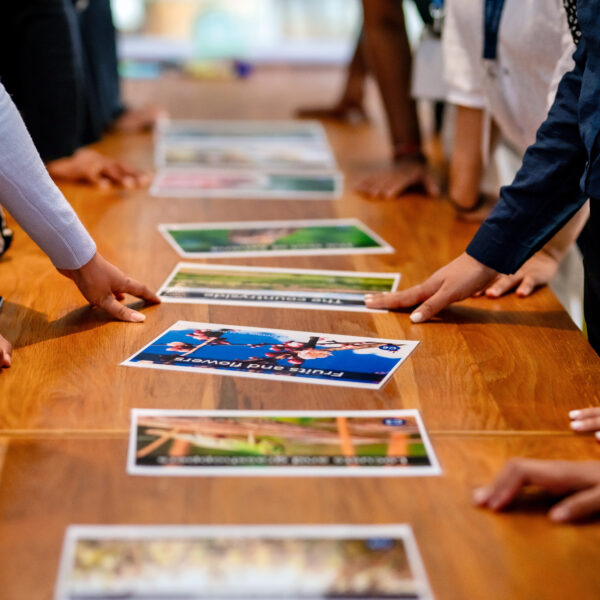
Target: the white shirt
pixel 30 195
pixel 516 90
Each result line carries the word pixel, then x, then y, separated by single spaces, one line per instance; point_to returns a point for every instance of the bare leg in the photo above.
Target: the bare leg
pixel 390 60
pixel 389 57
pixel 349 108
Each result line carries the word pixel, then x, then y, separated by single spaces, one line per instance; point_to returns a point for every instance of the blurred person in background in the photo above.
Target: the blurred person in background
pixel 503 82
pixel 58 62
pixel 383 50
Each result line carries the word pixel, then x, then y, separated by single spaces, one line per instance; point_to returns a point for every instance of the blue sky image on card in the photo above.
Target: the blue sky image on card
pixel 296 354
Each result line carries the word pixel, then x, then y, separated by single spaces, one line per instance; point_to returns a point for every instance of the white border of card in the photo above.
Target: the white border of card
pixel 286 299
pixel 282 471
pixel 409 347
pixel 158 189
pixel 102 532
pixel 382 248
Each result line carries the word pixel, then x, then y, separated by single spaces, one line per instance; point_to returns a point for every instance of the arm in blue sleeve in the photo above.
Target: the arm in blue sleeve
pixel 545 193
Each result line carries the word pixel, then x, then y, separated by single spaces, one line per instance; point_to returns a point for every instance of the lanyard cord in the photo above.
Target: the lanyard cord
pixel 436 10
pixel 492 16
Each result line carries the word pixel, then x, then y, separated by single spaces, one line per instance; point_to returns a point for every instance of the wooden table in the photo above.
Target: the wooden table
pixel 493 379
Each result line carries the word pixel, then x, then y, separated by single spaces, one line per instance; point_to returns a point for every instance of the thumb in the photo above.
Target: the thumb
pixel 432 187
pixel 527 286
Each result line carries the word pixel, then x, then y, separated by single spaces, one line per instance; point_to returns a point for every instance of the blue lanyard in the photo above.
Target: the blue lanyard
pixel 436 10
pixel 491 25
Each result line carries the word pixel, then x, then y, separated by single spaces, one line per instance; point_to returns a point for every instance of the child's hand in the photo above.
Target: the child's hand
pixel 407 173
pixel 89 166
pixel 5 352
pixel 587 419
pixel 458 280
pixel 103 285
pixel 539 270
pixel 580 481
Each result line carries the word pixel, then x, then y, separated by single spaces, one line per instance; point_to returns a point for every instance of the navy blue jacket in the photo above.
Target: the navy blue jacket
pixel 562 163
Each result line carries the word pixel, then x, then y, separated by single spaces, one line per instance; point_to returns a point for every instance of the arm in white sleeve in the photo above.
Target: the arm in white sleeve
pixel 462 41
pixel 32 198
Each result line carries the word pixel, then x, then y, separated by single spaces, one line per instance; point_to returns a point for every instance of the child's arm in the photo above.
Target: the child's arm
pixel 28 192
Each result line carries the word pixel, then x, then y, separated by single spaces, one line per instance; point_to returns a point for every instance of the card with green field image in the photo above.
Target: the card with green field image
pixel 192 283
pixel 274 238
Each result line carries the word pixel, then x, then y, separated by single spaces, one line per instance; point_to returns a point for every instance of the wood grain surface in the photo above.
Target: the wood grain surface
pixel 468 553
pixel 492 378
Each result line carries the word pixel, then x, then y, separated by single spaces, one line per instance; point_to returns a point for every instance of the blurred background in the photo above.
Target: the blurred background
pixel 195 33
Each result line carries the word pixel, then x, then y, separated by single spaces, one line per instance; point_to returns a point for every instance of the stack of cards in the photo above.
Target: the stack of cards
pixel 245 159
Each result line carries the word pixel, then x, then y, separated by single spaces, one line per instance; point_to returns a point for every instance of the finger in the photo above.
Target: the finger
pixel 96 178
pixel 127 170
pixel 112 171
pixel 135 288
pixel 589 424
pixel 431 307
pixel 502 285
pixel 120 311
pixel 584 413
pixel 527 286
pixel 5 358
pixel 553 476
pixel 363 186
pixel 578 506
pixel 396 187
pixel 432 187
pixel 403 299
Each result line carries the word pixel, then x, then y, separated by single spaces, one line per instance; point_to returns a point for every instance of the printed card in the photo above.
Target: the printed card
pixel 245 130
pixel 219 183
pixel 268 156
pixel 298 356
pixel 241 562
pixel 274 238
pixel 279 443
pixel 193 283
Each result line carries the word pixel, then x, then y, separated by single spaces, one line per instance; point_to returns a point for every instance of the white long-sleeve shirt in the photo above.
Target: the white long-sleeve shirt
pixel 32 198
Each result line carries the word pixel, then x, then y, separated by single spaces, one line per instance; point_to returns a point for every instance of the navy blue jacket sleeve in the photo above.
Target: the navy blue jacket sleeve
pixel 545 193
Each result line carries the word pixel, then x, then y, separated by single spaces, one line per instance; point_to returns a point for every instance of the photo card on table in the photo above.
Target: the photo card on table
pixel 242 562
pixel 244 154
pixel 243 183
pixel 193 283
pixel 297 131
pixel 274 354
pixel 212 443
pixel 307 237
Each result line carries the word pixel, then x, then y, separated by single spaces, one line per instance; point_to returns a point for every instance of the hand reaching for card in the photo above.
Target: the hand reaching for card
pixel 458 280
pixel 579 481
pixel 89 166
pixel 103 285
